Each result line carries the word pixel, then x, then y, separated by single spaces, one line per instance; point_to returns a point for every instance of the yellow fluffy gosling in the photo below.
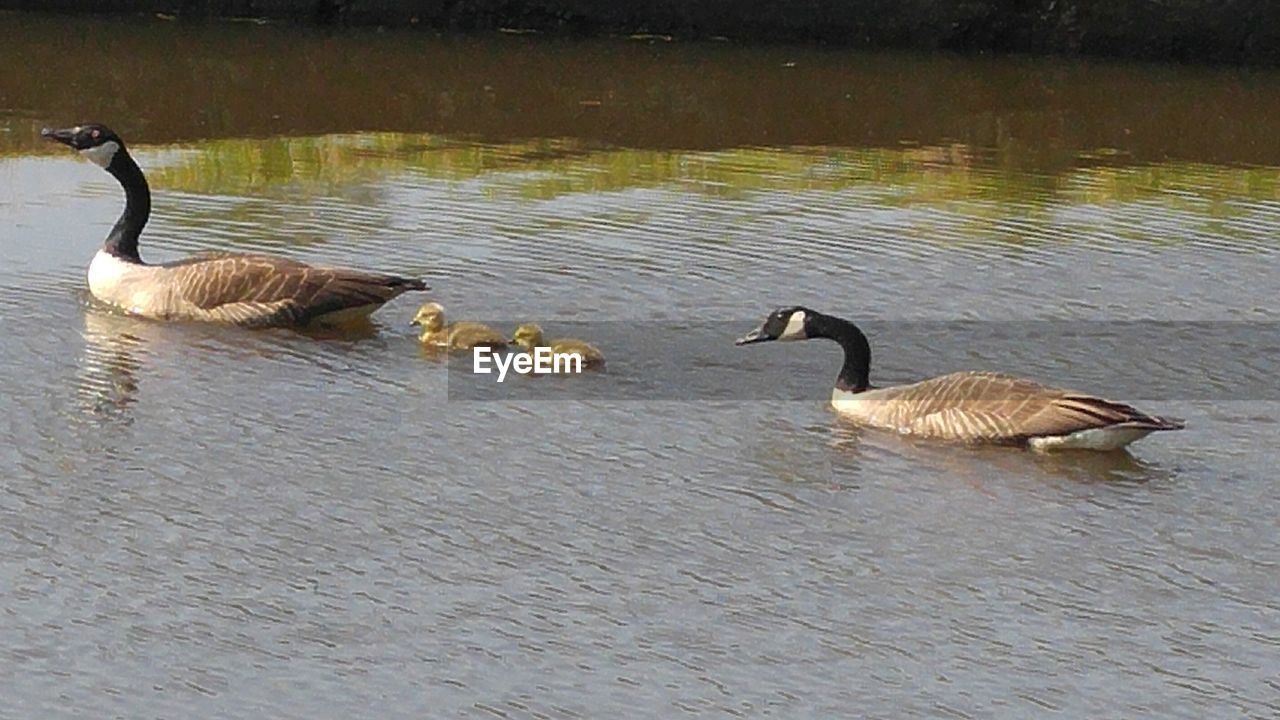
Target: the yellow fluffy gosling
pixel 529 336
pixel 454 336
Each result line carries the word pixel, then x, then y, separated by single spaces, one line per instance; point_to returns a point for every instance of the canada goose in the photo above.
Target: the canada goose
pixel 454 336
pixel 529 336
pixel 973 407
pixel 242 289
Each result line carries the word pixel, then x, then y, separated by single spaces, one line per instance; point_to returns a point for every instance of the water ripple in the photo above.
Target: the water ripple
pixel 203 518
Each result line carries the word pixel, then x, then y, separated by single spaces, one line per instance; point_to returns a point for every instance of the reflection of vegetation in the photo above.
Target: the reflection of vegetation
pixel 546 168
pixel 549 168
pixel 536 169
pixel 970 194
pixel 1186 182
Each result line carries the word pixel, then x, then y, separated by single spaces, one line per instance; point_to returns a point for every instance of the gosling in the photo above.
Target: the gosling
pixel 454 336
pixel 529 336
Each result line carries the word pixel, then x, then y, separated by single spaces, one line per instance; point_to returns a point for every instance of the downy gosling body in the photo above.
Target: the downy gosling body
pixel 241 289
pixel 530 336
pixel 970 407
pixel 463 335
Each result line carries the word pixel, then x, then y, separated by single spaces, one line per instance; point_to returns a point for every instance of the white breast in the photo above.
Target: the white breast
pixel 865 407
pixel 845 402
pixel 113 280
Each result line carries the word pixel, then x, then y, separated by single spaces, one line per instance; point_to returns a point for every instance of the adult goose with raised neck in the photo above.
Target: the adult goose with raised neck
pixel 237 288
pixel 969 407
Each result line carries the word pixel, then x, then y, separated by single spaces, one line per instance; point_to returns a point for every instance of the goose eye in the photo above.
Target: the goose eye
pixel 94 133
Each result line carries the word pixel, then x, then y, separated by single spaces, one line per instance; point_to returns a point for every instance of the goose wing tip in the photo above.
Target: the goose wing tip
pixel 411 284
pixel 1155 422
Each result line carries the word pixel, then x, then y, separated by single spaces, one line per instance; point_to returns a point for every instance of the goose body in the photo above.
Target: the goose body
pixel 969 407
pixel 530 336
pixel 241 289
pixel 984 407
pixel 463 335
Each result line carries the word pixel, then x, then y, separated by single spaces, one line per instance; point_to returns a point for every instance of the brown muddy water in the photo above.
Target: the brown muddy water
pixel 208 522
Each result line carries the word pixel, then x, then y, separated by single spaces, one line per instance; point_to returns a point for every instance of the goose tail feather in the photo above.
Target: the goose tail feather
pixel 1153 422
pixel 407 284
pixel 1116 414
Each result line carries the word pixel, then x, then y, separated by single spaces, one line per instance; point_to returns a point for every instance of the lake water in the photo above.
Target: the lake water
pixel 211 522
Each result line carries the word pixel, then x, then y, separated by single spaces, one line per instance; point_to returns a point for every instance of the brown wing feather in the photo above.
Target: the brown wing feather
pixel 251 314
pixel 262 289
pixel 991 407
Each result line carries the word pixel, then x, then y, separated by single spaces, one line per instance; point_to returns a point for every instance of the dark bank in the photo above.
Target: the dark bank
pixel 1234 31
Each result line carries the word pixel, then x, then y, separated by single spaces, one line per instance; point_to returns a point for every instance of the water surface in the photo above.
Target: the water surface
pixel 224 523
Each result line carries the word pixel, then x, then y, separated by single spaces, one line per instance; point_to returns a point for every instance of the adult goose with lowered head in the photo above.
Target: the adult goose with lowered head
pixel 242 289
pixel 971 407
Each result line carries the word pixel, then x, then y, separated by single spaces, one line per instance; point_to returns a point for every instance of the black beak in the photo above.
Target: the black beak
pixel 755 336
pixel 414 322
pixel 65 136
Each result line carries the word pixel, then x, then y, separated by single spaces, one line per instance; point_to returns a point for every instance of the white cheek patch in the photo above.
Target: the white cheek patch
pixel 102 154
pixel 795 327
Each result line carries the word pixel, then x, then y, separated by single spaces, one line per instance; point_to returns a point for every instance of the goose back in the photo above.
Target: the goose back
pixel 985 407
pixel 242 289
pixel 234 288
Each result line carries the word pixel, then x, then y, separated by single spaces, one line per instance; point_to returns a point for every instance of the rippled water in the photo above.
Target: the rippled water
pixel 212 522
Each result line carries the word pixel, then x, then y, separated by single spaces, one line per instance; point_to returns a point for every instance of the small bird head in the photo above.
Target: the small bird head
pixel 430 317
pixel 527 336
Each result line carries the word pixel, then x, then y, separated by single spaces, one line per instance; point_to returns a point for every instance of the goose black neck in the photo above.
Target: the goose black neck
pixel 123 240
pixel 855 374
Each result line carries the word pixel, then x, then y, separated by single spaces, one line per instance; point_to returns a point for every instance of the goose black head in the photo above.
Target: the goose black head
pixel 788 323
pixel 96 142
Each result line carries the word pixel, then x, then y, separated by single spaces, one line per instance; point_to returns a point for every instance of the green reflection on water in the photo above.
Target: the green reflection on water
pixel 970 195
pixel 548 168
